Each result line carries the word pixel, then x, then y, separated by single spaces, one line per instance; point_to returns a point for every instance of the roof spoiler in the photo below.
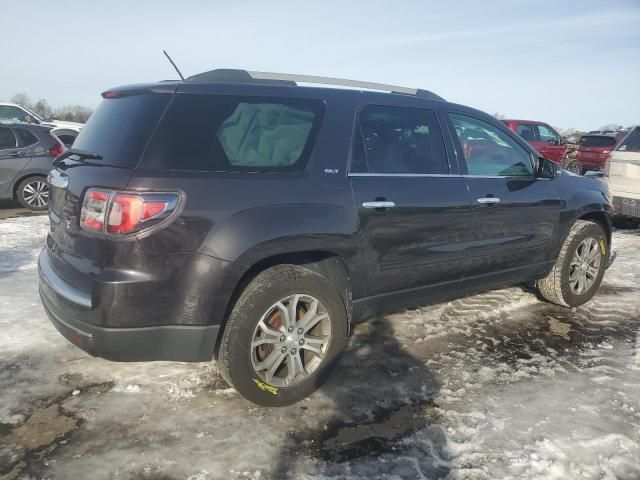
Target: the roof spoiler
pixel 269 78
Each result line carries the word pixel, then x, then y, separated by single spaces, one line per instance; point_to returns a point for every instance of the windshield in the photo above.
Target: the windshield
pixel 597 141
pixel 120 128
pixel 631 143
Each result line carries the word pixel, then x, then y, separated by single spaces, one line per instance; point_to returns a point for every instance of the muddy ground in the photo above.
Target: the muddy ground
pixel 497 385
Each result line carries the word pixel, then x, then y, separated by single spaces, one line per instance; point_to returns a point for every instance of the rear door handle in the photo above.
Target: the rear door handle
pixel 16 154
pixel 488 200
pixel 379 204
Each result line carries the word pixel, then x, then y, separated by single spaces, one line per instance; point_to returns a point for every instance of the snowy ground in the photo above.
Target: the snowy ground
pixel 495 386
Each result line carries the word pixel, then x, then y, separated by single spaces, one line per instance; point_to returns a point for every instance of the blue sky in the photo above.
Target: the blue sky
pixel 570 63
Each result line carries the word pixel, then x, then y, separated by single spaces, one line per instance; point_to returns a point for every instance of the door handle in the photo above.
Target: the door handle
pixel 379 204
pixel 488 200
pixel 16 154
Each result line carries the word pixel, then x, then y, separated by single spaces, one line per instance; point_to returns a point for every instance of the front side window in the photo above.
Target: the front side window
pixel 631 142
pixel 398 140
pixel 597 141
pixel 7 140
pixel 488 151
pixel 219 133
pixel 546 134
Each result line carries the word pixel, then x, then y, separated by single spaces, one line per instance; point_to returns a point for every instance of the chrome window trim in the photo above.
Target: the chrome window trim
pixel 436 175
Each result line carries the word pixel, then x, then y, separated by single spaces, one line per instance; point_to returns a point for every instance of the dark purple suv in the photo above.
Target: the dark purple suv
pixel 239 216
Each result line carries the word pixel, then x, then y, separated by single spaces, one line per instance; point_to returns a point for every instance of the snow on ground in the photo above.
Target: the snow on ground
pixel 496 386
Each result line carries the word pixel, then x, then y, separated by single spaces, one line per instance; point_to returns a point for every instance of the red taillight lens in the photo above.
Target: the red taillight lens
pixel 94 209
pixel 56 150
pixel 121 213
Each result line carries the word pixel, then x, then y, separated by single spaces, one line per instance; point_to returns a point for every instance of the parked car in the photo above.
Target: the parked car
pixel 592 152
pixel 26 157
pixel 244 218
pixel 542 137
pixel 623 172
pixel 65 131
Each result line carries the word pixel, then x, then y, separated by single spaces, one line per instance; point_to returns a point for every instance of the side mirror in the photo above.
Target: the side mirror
pixel 563 140
pixel 594 174
pixel 554 141
pixel 547 168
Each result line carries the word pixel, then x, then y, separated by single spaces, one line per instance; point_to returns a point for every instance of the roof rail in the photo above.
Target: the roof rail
pixel 245 76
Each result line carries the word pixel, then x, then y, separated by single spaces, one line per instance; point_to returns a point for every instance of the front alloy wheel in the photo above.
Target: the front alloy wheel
pixel 585 266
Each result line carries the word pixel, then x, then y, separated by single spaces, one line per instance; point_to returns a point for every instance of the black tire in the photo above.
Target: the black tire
pixel 626 222
pixel 268 287
pixel 23 196
pixel 555 287
pixel 574 167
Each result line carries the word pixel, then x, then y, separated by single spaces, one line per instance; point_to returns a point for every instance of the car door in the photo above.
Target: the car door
pixel 549 143
pixel 412 205
pixel 12 161
pixel 514 213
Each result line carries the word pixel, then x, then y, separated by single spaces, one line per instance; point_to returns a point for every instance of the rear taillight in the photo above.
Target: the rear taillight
pixel 122 213
pixel 56 150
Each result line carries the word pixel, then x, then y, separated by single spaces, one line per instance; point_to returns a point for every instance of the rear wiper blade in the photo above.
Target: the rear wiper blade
pixel 76 152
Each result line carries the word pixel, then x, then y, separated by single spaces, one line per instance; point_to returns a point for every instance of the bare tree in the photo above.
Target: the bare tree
pixel 22 99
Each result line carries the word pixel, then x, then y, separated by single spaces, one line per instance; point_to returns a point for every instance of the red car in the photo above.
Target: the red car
pixel 540 136
pixel 593 151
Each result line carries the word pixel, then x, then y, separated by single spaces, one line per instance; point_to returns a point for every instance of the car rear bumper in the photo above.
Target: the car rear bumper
pixel 65 307
pixel 628 207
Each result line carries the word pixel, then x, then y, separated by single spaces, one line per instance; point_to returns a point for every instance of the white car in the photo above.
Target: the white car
pixel 623 171
pixel 65 131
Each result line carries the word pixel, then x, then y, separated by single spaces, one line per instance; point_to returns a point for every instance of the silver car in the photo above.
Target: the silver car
pixel 27 152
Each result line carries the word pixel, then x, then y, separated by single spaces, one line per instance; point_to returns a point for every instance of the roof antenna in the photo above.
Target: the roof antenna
pixel 174 65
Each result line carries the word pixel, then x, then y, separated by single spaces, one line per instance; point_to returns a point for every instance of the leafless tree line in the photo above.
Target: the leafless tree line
pixel 70 113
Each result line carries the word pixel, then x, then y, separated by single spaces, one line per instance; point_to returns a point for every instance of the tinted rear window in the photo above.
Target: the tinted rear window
pixel 120 128
pixel 25 138
pixel 631 143
pixel 595 141
pixel 228 133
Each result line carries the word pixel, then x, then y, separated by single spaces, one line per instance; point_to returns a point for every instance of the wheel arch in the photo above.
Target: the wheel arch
pixel 602 219
pixel 324 262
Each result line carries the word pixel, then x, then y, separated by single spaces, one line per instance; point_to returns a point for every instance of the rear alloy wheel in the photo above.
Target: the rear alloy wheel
pixel 574 167
pixel 579 268
pixel 33 193
pixel 284 336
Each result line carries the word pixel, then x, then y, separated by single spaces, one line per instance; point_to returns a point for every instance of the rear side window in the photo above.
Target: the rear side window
pixel 7 140
pixel 25 138
pixel 397 140
pixel 631 143
pixel 220 133
pixel 597 141
pixel 120 128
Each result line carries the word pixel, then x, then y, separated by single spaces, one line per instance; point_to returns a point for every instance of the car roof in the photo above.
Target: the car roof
pixel 232 81
pixel 536 122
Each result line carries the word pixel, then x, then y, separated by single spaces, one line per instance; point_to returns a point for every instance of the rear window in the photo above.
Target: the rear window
pixel 597 141
pixel 219 133
pixel 120 128
pixel 631 143
pixel 25 138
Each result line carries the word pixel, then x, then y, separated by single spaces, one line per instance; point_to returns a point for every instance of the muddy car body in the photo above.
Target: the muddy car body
pixel 244 218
